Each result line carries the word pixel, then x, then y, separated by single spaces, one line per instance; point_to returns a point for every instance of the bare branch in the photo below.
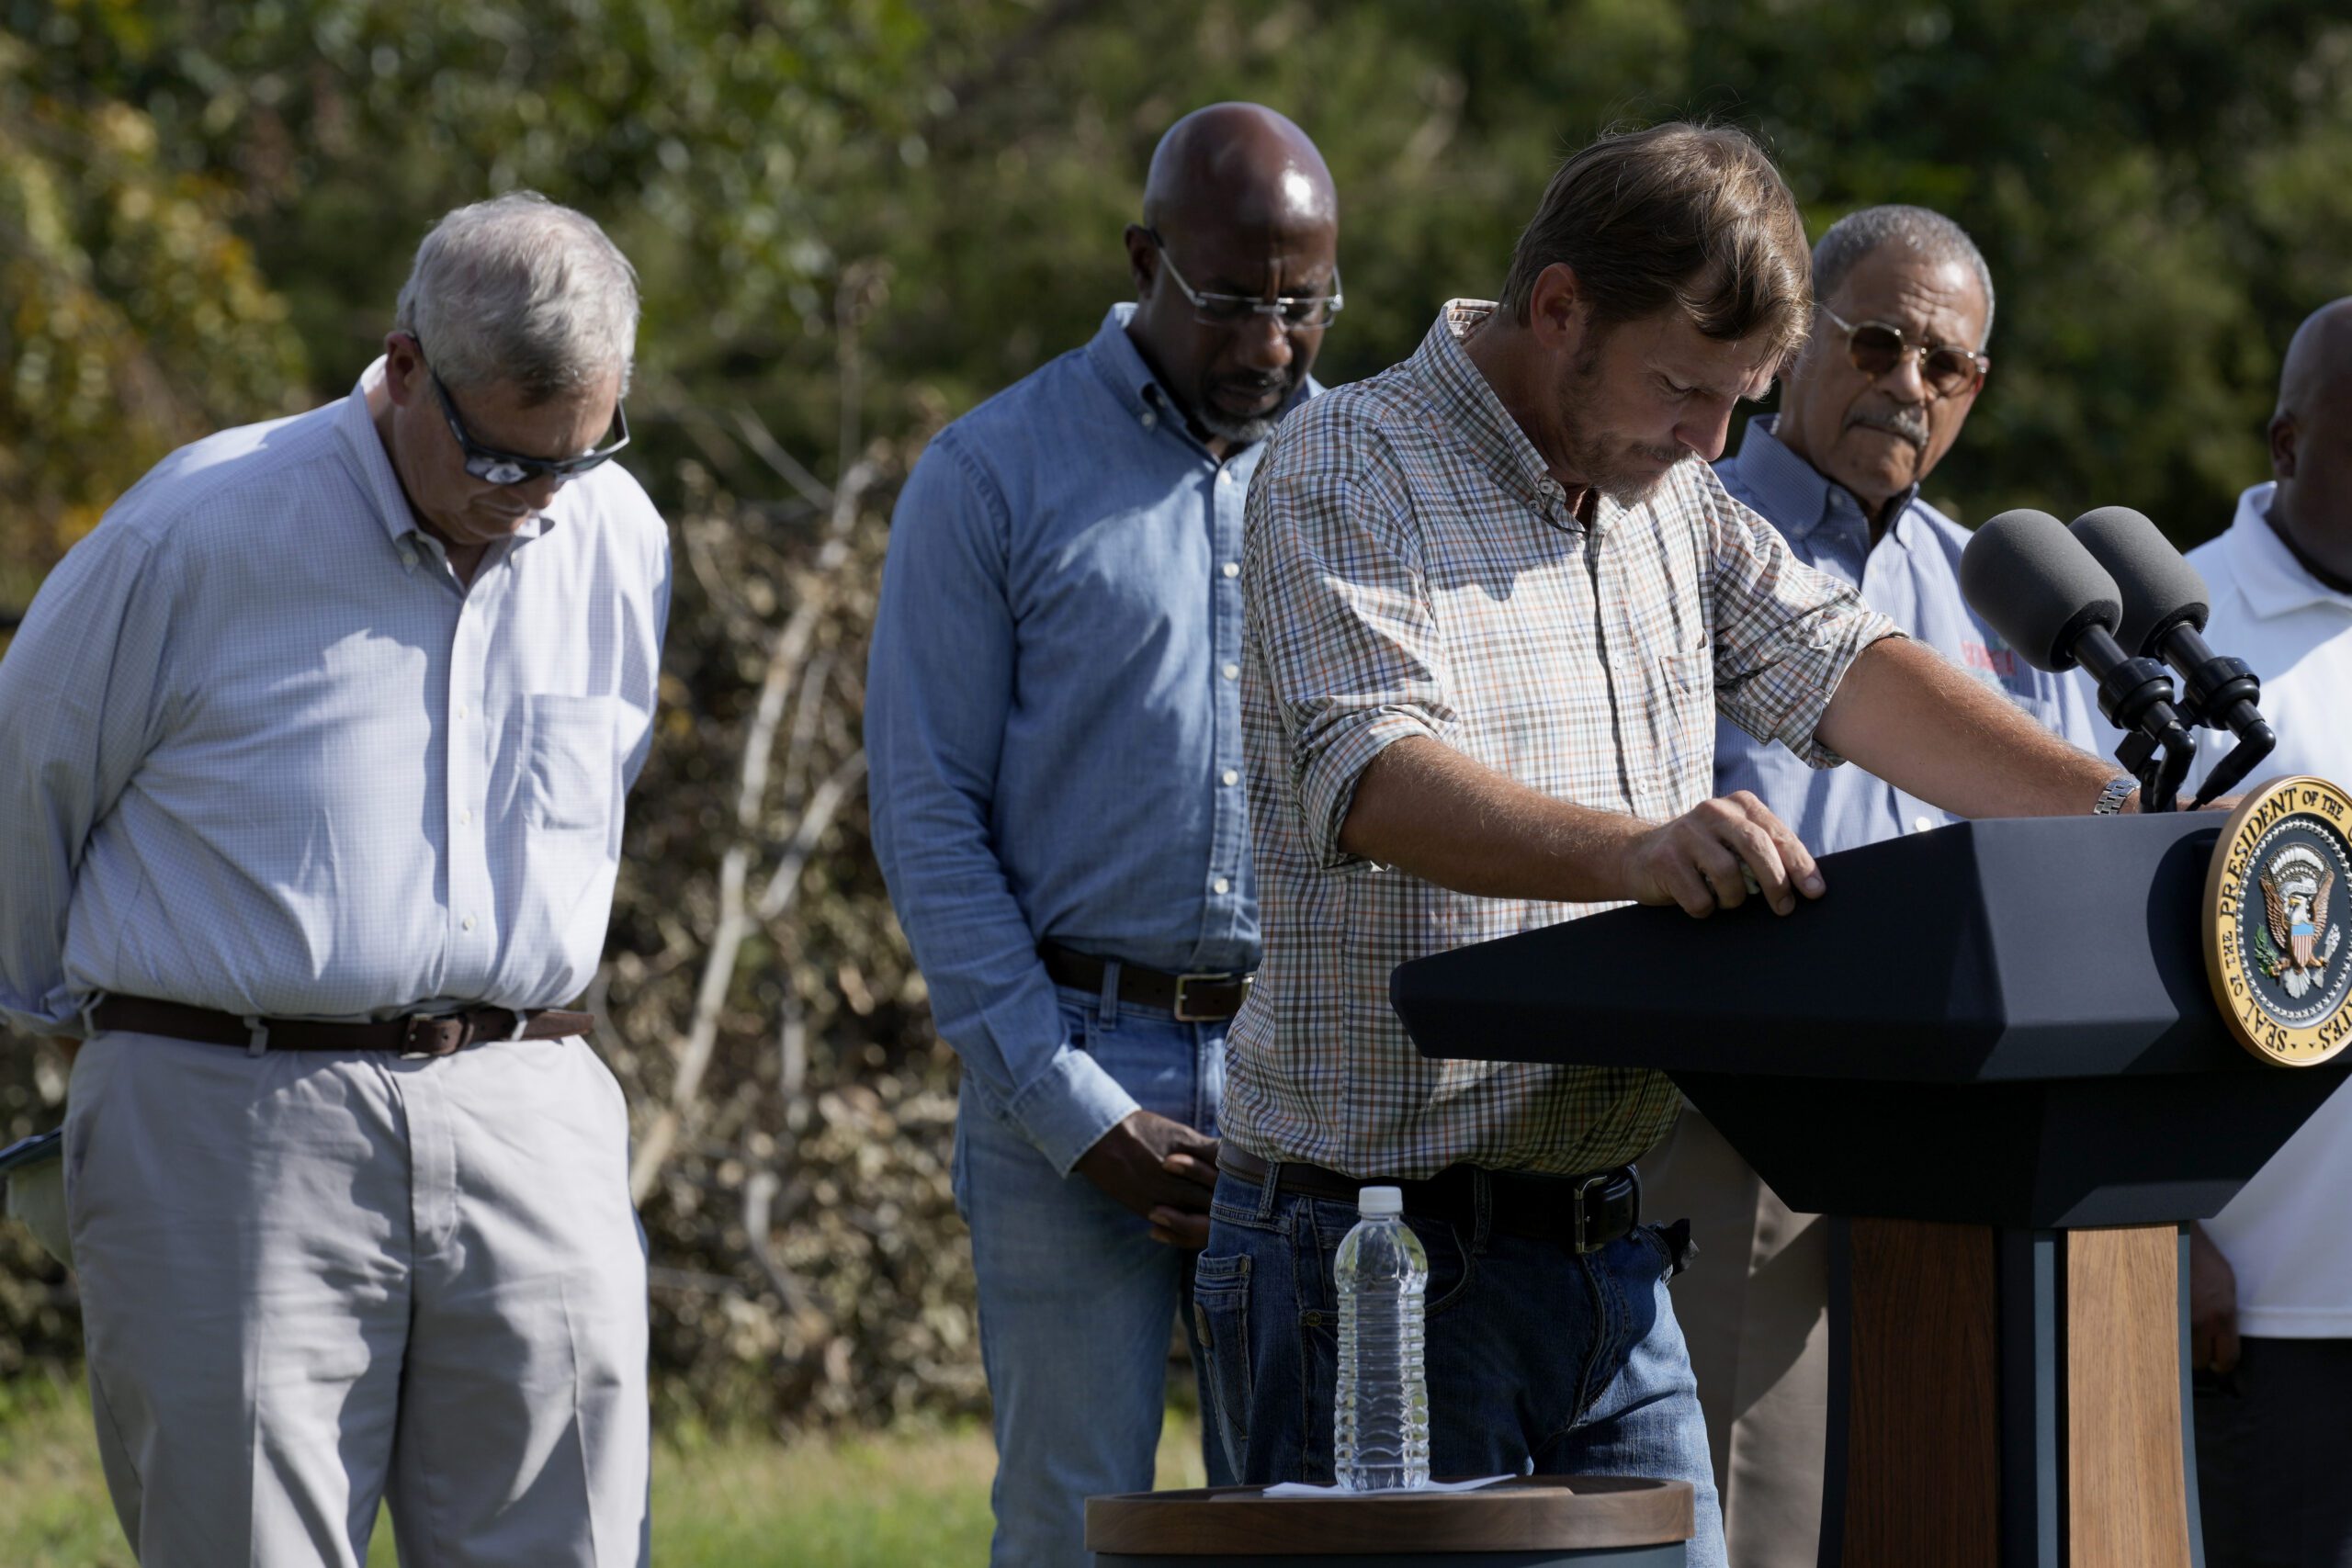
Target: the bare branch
pixel 785 655
pixel 759 1196
pixel 789 467
pixel 783 883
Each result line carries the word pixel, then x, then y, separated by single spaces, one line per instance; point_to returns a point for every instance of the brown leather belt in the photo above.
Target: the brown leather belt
pixel 1584 1214
pixel 443 1034
pixel 1191 999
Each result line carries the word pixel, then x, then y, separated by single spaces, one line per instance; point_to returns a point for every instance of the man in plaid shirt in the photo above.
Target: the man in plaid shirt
pixel 1495 600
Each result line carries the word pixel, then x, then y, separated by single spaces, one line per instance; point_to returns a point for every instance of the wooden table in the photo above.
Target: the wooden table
pixel 1544 1521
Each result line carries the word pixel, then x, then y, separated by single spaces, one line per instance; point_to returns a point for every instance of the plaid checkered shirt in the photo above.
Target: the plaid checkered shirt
pixel 1410 567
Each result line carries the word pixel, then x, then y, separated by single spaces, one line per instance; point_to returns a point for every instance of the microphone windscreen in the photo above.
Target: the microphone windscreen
pixel 2160 589
pixel 2035 584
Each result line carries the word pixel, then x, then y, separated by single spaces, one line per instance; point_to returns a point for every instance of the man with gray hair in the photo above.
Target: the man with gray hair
pixel 312 757
pixel 1869 406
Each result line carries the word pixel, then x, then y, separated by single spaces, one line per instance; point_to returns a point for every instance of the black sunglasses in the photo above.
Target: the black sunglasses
pixel 494 467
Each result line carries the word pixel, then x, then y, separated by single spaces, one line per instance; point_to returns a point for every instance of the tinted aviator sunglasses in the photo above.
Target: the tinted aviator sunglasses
pixel 494 467
pixel 1877 348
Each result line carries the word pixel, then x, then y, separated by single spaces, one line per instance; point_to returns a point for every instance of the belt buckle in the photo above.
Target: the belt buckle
pixel 1183 982
pixel 426 1036
pixel 1584 1189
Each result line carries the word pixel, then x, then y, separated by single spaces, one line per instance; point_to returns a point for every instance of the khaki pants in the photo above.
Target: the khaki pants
pixel 1754 1308
pixel 313 1281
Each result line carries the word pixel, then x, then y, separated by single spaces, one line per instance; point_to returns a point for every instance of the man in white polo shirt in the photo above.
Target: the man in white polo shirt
pixel 2271 1275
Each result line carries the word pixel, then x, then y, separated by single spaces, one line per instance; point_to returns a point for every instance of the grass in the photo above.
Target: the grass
pixel 916 1496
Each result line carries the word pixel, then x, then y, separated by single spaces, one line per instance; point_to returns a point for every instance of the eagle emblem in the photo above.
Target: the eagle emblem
pixel 2296 942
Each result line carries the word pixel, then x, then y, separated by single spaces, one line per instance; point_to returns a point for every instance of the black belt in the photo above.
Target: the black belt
pixel 1584 1214
pixel 1192 999
pixel 420 1034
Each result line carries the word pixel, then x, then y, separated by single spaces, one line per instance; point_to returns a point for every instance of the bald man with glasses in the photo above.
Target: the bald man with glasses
pixel 1053 722
pixel 1868 408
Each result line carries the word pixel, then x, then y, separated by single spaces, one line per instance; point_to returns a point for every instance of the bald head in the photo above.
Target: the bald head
pixel 2310 445
pixel 1240 234
pixel 1240 163
pixel 2319 358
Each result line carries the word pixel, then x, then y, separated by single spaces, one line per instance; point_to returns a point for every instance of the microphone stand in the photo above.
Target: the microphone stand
pixel 2220 693
pixel 2136 696
pixel 2160 777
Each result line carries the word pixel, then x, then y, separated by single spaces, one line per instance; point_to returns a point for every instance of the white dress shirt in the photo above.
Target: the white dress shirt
pixel 261 752
pixel 2285 1235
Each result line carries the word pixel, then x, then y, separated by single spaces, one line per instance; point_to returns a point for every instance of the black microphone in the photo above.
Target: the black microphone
pixel 2164 608
pixel 2050 599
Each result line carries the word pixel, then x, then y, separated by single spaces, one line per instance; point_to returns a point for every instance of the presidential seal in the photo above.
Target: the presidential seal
pixel 2274 931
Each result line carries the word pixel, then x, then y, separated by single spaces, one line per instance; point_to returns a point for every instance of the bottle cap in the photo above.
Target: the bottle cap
pixel 1375 1202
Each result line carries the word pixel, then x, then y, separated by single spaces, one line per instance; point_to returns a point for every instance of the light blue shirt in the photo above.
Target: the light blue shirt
pixel 259 751
pixel 1052 720
pixel 1913 577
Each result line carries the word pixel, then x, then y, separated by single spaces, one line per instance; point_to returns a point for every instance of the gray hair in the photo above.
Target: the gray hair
pixel 518 289
pixel 1933 236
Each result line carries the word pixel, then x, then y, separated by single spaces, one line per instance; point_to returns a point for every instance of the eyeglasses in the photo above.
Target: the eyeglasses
pixel 1877 348
pixel 1296 313
pixel 494 467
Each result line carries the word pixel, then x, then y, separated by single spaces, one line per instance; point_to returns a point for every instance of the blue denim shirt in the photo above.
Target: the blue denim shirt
pixel 1053 718
pixel 1914 578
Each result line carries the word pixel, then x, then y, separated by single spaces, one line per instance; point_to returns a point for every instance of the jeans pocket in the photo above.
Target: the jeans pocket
pixel 1673 1244
pixel 1221 1321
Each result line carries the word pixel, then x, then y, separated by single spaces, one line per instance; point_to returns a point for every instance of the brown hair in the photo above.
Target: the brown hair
pixel 1693 216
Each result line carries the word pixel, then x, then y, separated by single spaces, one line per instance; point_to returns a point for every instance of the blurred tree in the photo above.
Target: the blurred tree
pixel 132 317
pixel 853 218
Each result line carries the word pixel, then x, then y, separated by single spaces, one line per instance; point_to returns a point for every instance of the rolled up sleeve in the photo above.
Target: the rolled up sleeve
pixel 1784 633
pixel 1341 632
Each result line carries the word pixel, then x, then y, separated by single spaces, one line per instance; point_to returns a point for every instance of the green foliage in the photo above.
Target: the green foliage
pixel 853 218
pixel 132 315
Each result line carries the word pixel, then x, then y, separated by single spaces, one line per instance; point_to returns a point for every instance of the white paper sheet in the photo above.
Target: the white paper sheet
pixel 1301 1489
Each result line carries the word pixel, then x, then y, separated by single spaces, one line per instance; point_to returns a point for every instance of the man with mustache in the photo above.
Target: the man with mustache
pixel 2270 1275
pixel 1871 403
pixel 1054 722
pixel 1495 597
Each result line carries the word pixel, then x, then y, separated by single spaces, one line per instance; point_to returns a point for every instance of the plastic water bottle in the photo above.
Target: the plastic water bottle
pixel 1380 1441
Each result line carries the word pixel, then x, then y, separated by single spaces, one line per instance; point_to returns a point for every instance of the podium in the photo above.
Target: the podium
pixel 1992 1053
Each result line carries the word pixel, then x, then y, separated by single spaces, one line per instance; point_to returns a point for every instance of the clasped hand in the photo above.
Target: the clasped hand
pixel 1160 1168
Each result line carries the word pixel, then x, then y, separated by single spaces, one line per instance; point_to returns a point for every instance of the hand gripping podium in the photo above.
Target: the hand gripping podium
pixel 1992 1052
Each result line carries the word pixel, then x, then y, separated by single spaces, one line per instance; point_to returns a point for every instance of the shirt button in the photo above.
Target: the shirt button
pixel 467 922
pixel 1232 671
pixel 462 711
pixel 465 819
pixel 1233 569
pixel 1151 420
pixel 1220 885
pixel 1231 776
pixel 1225 476
pixel 1921 824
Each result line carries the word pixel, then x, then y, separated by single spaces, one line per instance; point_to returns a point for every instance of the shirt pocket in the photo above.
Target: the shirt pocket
pixel 570 763
pixel 1683 717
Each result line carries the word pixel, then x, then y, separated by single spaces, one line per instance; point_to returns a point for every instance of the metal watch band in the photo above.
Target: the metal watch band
pixel 2112 798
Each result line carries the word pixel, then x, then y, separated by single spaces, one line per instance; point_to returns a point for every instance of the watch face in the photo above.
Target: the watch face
pixel 2273 929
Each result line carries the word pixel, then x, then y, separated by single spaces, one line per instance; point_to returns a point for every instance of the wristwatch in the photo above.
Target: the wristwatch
pixel 2112 796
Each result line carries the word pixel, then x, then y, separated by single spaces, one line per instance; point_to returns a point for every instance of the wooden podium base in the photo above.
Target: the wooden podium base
pixel 1541 1521
pixel 2008 1397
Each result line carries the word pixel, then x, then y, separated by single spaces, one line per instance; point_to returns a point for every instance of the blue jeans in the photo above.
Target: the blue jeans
pixel 1537 1358
pixel 1076 1298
